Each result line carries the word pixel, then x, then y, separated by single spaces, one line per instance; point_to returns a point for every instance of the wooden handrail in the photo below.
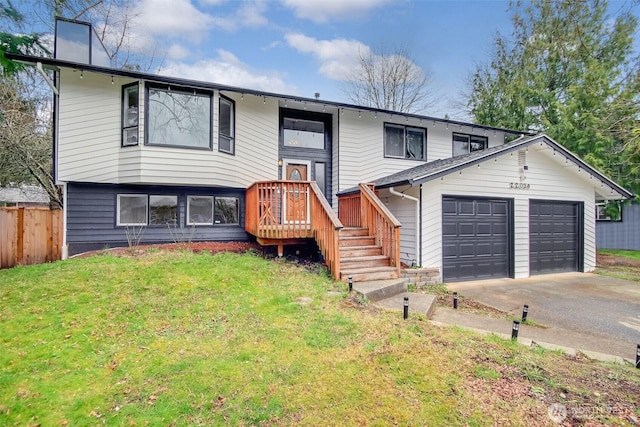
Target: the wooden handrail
pixel 326 230
pixel 381 223
pixel 283 210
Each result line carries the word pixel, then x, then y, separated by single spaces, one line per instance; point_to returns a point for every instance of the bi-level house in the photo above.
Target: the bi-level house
pixel 373 188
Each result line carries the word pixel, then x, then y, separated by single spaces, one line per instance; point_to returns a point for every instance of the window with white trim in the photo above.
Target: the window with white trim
pixel 132 209
pixel 405 142
pixel 465 144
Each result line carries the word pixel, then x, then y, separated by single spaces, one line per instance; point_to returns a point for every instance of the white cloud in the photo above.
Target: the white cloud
pixel 173 18
pixel 227 69
pixel 337 57
pixel 249 14
pixel 324 10
pixel 177 52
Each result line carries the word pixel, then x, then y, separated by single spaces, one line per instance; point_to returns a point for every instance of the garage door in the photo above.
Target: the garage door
pixel 475 238
pixel 555 233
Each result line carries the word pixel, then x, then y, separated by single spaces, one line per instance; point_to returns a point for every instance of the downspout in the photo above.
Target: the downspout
pixel 418 227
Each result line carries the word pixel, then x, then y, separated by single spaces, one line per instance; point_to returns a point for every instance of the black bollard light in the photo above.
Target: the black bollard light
pixel 514 330
pixel 525 311
pixel 350 283
pixel 638 357
pixel 455 300
pixel 405 315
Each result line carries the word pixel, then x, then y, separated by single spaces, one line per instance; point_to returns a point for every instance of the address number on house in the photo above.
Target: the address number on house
pixel 519 186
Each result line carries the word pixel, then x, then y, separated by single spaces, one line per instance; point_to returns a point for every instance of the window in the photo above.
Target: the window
pixel 199 210
pixel 303 133
pixel 405 142
pixel 178 118
pixel 132 209
pixel 226 126
pixel 321 176
pixel 465 144
pixel 130 102
pixel 226 210
pixel 163 210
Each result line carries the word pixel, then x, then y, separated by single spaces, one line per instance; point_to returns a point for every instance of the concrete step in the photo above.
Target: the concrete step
pixel 354 231
pixel 357 241
pixel 364 262
pixel 357 251
pixel 368 274
pixel 418 303
pixel 376 290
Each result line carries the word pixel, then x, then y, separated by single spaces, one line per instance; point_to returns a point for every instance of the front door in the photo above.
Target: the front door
pixel 297 193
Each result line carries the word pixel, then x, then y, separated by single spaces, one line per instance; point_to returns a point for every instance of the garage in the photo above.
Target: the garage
pixel 476 239
pixel 555 236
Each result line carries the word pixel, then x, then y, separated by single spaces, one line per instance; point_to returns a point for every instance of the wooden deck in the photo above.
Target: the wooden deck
pixel 290 212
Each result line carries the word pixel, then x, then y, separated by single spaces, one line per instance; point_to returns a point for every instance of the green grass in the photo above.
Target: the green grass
pixel 626 254
pixel 198 339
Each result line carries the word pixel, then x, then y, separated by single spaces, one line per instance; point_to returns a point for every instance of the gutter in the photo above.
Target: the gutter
pixel 418 225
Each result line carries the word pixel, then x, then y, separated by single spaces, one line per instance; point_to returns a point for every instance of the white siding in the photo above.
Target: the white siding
pixel 405 211
pixel 88 128
pixel 90 141
pixel 549 179
pixel 255 159
pixel 361 145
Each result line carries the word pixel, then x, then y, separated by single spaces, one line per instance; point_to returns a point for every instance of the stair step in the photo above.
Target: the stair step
pixel 364 262
pixel 376 290
pixel 351 232
pixel 368 274
pixel 357 251
pixel 418 303
pixel 357 241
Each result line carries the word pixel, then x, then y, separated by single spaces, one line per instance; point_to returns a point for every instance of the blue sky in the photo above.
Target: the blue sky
pixel 300 47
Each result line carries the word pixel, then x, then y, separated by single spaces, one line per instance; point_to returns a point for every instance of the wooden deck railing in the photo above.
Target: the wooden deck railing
pixel 281 211
pixel 381 223
pixel 349 209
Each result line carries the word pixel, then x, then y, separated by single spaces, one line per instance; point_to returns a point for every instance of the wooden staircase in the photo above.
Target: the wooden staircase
pixel 361 258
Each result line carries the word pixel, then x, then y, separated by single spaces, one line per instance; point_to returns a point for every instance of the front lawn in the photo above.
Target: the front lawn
pixel 176 338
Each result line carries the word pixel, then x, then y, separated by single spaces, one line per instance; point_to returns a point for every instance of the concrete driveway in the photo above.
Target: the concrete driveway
pixel 601 310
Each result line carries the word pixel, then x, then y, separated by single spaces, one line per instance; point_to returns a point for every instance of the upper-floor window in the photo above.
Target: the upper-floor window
pixel 226 126
pixel 130 114
pixel 178 117
pixel 405 142
pixel 303 133
pixel 465 144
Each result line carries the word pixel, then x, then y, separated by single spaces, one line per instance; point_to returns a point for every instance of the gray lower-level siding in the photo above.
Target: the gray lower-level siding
pixel 91 217
pixel 624 234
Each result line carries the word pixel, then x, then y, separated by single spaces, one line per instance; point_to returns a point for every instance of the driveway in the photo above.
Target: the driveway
pixel 576 306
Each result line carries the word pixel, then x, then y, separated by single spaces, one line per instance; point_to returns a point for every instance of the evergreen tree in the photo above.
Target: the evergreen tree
pixel 570 71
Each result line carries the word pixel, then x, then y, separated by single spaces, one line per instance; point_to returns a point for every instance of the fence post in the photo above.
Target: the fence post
pixel 20 236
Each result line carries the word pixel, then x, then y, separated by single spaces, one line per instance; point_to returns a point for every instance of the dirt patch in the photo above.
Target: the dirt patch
pixel 197 247
pixel 609 260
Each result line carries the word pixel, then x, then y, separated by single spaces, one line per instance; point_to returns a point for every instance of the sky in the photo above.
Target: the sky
pixel 303 47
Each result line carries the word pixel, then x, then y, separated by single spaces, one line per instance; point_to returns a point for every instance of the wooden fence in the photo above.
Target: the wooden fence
pixel 29 236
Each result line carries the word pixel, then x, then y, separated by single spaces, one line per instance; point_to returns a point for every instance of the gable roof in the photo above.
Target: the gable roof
pixel 439 168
